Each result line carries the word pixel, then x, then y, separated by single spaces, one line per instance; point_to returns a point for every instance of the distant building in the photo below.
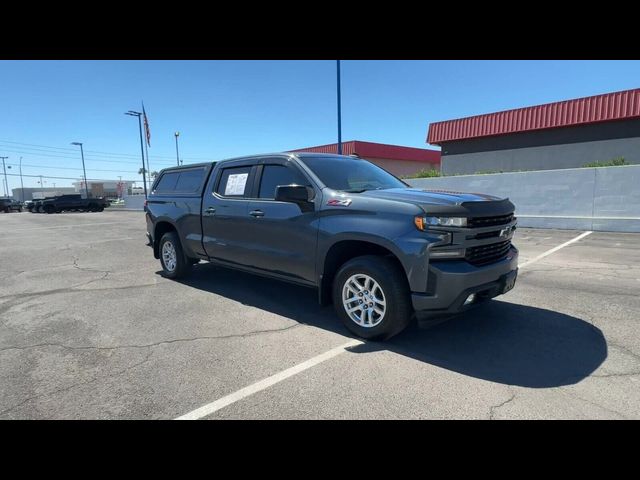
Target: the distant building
pixel 40 192
pixel 105 188
pixel 555 135
pixel 401 161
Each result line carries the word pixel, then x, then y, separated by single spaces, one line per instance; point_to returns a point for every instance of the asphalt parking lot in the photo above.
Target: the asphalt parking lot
pixel 90 329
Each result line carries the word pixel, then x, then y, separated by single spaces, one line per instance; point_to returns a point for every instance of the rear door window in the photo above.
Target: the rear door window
pixel 234 182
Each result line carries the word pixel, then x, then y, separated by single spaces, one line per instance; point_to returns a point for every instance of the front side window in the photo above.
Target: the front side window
pixel 234 182
pixel 275 175
pixel 351 174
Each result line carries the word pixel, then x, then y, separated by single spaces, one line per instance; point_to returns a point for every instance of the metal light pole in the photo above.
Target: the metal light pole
pixel 177 134
pixel 144 177
pixel 21 184
pixel 86 187
pixel 5 185
pixel 339 113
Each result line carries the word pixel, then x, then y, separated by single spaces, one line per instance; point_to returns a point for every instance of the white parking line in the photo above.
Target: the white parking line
pixel 263 384
pixel 212 407
pixel 554 249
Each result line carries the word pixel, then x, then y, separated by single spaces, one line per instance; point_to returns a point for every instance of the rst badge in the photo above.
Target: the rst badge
pixel 337 202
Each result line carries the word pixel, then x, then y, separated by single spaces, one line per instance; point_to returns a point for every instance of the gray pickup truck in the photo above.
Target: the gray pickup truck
pixel 377 248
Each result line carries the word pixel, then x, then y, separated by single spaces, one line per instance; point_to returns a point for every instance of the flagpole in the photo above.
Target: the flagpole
pixel 339 110
pixel 146 151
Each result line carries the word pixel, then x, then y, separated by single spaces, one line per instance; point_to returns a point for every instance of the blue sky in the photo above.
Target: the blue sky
pixel 230 108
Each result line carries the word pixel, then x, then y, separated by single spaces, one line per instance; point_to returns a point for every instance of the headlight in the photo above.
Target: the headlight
pixel 423 222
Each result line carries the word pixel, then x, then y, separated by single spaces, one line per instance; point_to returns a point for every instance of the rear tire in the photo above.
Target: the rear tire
pixel 174 263
pixel 376 291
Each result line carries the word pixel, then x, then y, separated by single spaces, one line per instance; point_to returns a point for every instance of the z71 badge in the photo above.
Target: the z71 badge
pixel 336 202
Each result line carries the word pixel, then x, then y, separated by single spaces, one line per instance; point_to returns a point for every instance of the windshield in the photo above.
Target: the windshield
pixel 352 175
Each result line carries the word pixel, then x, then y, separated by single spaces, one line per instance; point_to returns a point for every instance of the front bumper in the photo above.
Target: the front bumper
pixel 451 282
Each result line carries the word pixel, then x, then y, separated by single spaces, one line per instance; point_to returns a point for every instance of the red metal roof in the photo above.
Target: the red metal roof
pixel 378 150
pixel 580 111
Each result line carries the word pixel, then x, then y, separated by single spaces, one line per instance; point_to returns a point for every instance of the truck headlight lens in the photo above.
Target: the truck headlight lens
pixel 423 222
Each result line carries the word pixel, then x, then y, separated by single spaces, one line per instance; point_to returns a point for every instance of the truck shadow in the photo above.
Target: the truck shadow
pixel 498 341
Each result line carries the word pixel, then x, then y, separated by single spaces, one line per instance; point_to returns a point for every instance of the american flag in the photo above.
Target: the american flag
pixel 147 132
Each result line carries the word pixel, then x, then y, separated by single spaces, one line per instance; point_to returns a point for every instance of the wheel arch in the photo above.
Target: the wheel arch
pixel 160 228
pixel 343 250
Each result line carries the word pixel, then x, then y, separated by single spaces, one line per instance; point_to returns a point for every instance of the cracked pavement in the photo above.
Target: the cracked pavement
pixel 89 329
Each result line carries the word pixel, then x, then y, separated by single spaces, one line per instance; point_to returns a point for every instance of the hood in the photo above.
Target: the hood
pixel 440 201
pixel 429 197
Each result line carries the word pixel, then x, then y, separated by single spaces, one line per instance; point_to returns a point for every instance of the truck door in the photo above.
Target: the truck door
pixel 225 220
pixel 283 237
pixel 64 202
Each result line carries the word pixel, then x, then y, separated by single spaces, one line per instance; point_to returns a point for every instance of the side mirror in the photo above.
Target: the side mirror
pixel 298 194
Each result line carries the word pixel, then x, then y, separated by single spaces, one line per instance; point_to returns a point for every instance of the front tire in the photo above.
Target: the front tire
pixel 371 296
pixel 172 258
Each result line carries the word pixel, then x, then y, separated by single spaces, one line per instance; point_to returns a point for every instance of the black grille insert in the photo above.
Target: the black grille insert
pixel 476 222
pixel 485 254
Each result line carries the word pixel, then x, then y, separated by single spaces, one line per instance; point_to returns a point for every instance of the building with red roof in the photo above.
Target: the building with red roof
pixel 564 134
pixel 401 161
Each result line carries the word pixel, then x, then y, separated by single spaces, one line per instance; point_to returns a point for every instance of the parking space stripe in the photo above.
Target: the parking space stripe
pixel 245 392
pixel 554 249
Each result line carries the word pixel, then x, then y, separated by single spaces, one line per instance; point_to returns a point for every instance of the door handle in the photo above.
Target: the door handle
pixel 256 213
pixel 210 211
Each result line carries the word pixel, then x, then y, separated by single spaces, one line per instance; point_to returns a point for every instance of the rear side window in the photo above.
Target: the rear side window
pixel 234 182
pixel 275 175
pixel 190 181
pixel 186 181
pixel 167 183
